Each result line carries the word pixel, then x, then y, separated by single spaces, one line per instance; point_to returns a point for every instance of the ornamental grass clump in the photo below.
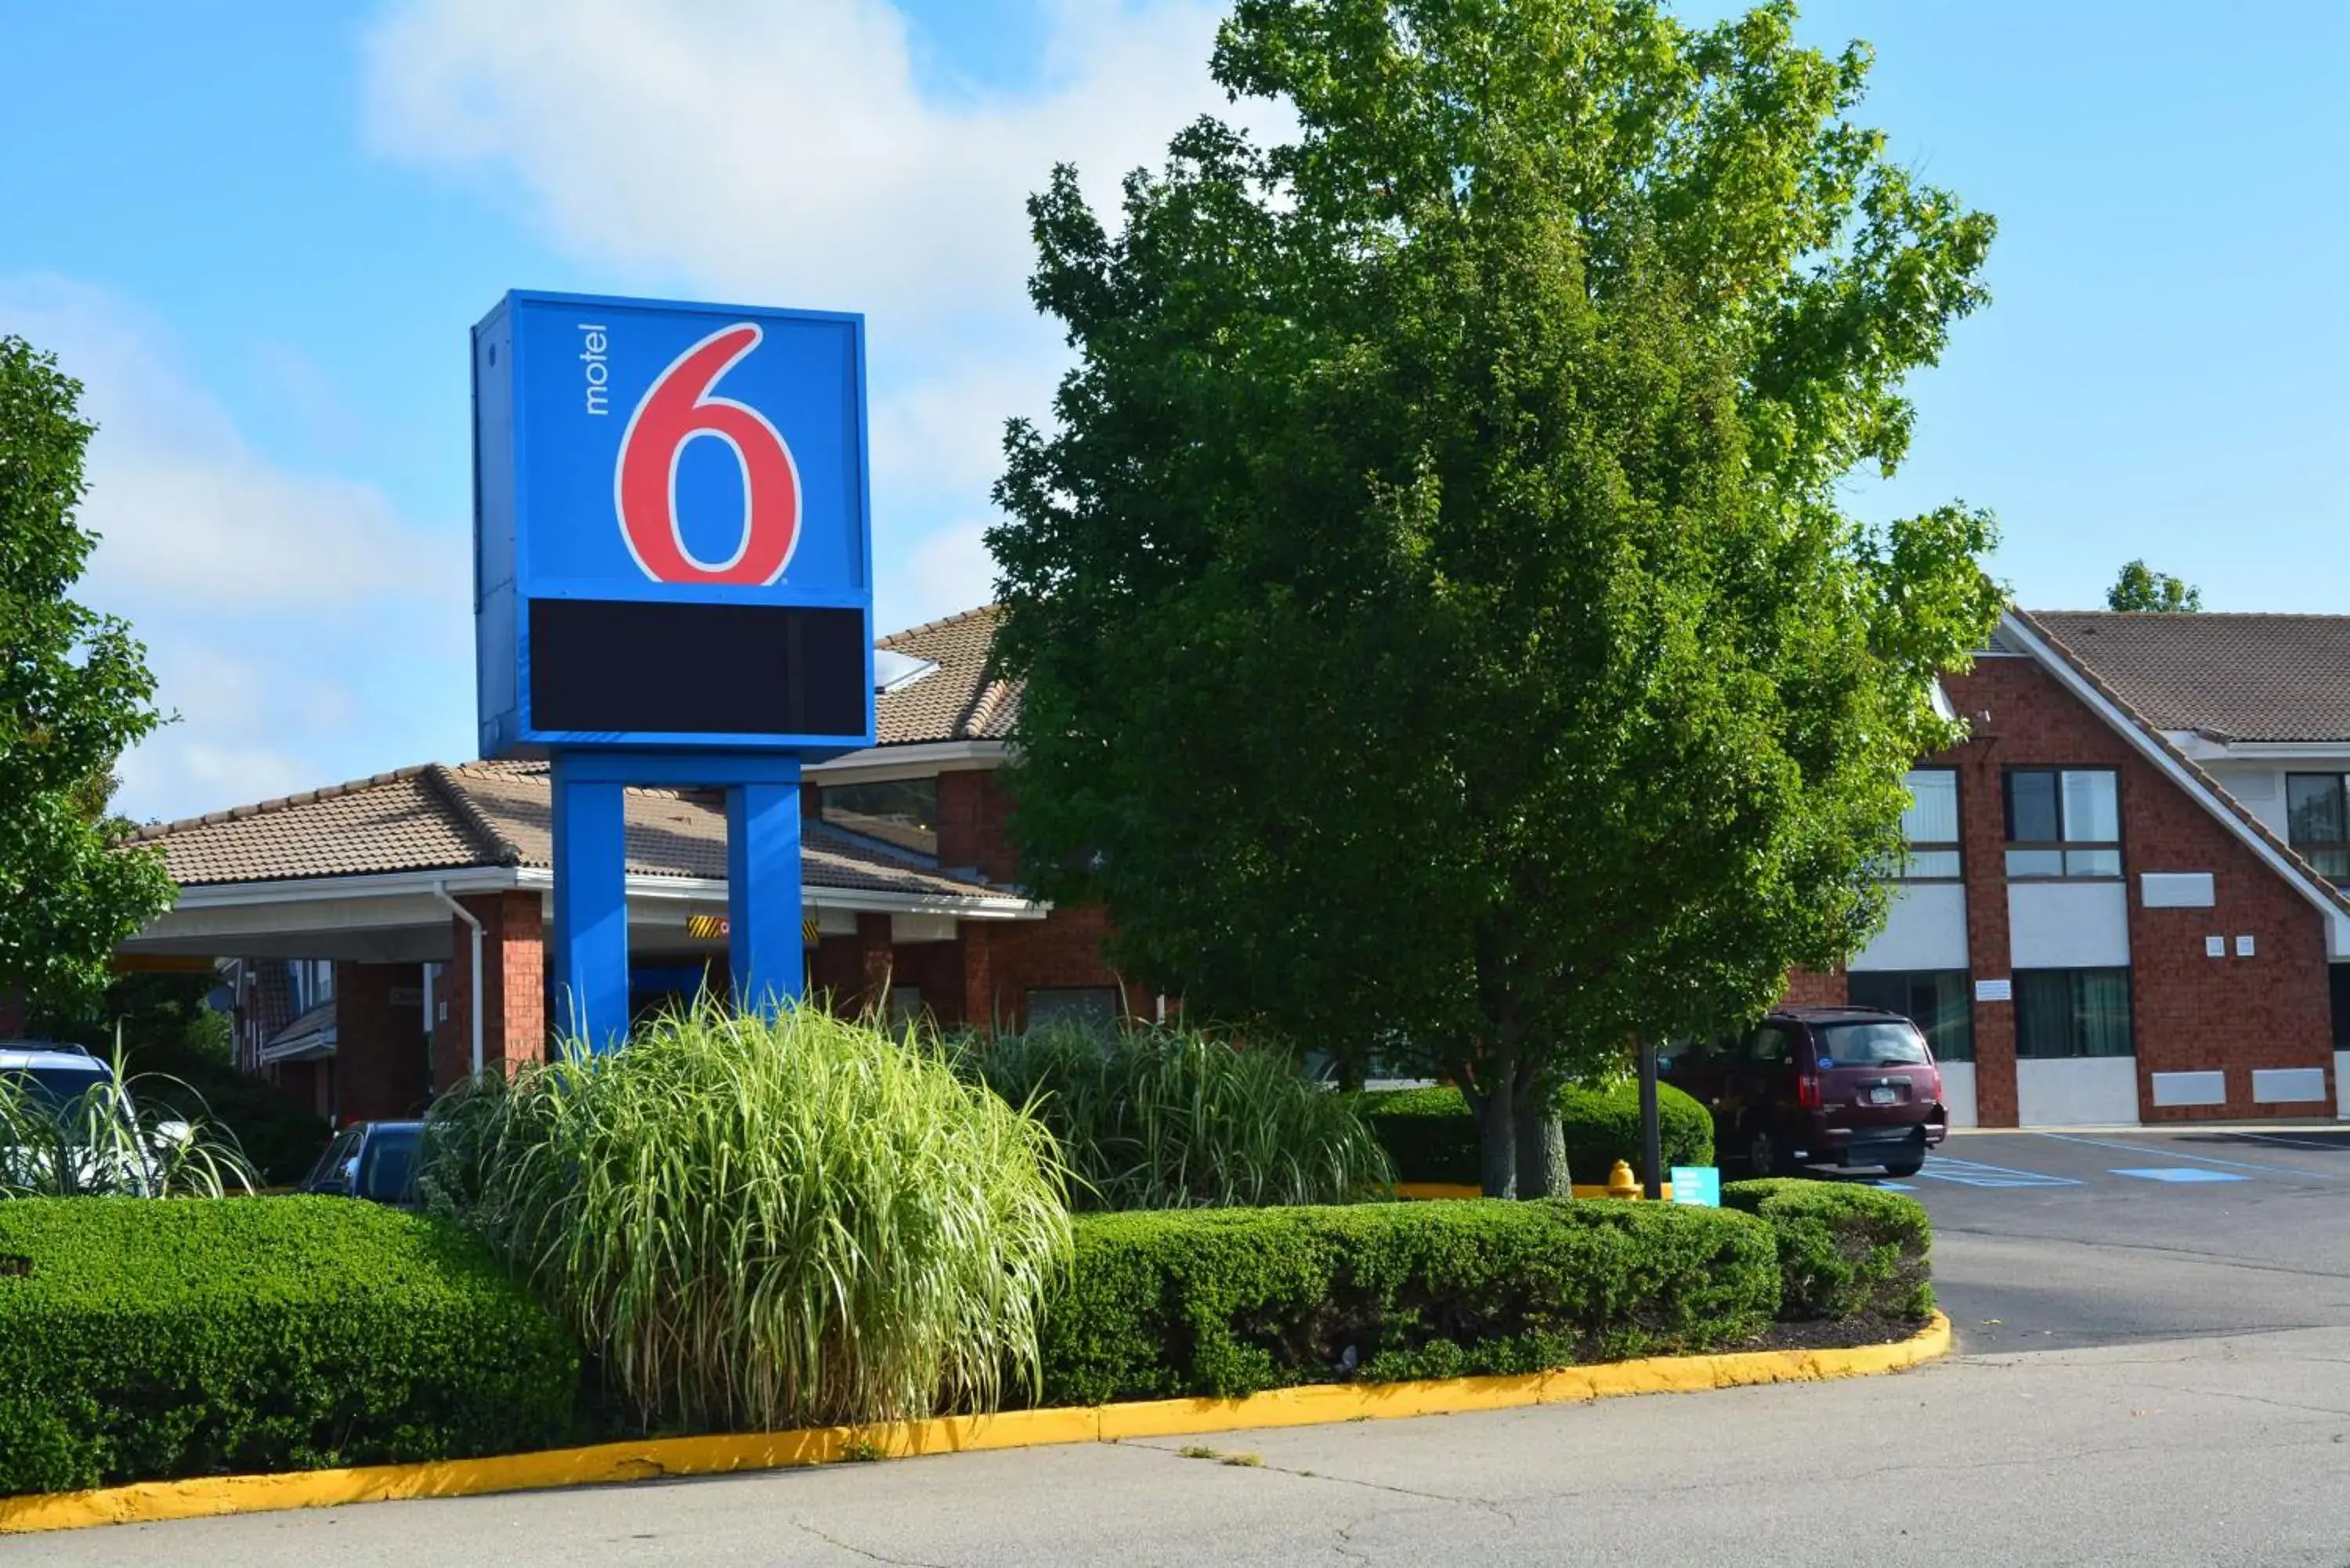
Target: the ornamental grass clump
pixel 1175 1118
pixel 765 1222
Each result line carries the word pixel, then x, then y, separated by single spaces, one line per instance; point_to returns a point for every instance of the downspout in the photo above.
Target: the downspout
pixel 474 985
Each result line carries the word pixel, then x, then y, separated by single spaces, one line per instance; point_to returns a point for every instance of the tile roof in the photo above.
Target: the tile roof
pixel 437 817
pixel 2232 677
pixel 961 700
pixel 2043 624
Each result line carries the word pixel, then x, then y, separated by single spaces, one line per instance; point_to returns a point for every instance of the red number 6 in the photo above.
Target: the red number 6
pixel 676 408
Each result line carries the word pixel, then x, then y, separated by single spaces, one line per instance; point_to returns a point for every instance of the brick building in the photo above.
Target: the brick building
pixel 2121 902
pixel 358 917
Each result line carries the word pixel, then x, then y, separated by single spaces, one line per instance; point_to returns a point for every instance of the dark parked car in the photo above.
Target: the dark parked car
pixel 375 1160
pixel 1849 1087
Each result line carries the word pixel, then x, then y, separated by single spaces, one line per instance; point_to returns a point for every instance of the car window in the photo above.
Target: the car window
pixel 1770 1044
pixel 327 1174
pixel 387 1167
pixel 1891 1044
pixel 55 1088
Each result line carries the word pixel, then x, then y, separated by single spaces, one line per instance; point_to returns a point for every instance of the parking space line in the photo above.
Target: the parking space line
pixel 2169 1153
pixel 2182 1173
pixel 1975 1173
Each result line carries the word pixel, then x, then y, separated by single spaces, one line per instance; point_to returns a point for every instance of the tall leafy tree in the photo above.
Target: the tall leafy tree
pixel 2139 586
pixel 75 692
pixel 1440 627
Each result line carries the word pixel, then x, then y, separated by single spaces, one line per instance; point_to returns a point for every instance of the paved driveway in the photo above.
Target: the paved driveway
pixel 2155 1370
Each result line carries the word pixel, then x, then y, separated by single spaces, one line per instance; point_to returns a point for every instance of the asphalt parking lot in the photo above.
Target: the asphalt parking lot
pixel 2154 1329
pixel 2060 1240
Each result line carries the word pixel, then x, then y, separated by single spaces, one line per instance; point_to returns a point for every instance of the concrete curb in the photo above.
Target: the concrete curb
pixel 150 1502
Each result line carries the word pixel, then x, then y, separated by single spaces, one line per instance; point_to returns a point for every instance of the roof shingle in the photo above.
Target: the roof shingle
pixel 961 700
pixel 434 818
pixel 2232 677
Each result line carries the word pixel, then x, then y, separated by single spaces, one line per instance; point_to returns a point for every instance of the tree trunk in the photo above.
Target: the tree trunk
pixel 1540 1148
pixel 1497 1128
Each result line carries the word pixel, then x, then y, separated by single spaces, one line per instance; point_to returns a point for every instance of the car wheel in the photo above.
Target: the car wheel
pixel 1900 1167
pixel 1763 1155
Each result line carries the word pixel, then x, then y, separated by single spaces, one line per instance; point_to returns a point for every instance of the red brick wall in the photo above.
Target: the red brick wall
pixel 513 998
pixel 382 1065
pixel 1063 949
pixel 1806 989
pixel 2190 1012
pixel 974 824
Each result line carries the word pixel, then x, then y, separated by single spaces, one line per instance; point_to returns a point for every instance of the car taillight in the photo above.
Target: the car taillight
pixel 1807 1092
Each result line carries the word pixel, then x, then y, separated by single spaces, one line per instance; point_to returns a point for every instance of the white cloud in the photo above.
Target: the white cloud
pixel 786 154
pixel 267 598
pixel 757 147
pixel 184 508
pixel 946 571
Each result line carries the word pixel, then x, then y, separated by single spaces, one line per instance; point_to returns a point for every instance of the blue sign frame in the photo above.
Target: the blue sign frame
pixel 673 584
pixel 672 528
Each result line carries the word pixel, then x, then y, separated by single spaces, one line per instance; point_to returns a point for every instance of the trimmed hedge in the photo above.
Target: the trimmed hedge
pixel 147 1339
pixel 1227 1301
pixel 1430 1135
pixel 1843 1251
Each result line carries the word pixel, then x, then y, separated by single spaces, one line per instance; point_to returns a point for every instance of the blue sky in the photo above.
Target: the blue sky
pixel 259 230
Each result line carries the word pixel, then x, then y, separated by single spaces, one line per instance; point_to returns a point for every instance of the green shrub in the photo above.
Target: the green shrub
pixel 1602 1125
pixel 1228 1302
pixel 1173 1119
pixel 1430 1135
pixel 766 1223
pixel 144 1339
pixel 1843 1251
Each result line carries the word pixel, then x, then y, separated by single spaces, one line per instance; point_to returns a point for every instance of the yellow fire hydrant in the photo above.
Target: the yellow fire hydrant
pixel 1622 1182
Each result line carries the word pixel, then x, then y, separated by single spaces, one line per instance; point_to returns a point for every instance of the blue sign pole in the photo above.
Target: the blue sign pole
pixel 763 890
pixel 591 903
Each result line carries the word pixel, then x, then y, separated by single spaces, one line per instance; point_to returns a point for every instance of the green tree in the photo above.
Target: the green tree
pixel 2140 587
pixel 1439 622
pixel 75 692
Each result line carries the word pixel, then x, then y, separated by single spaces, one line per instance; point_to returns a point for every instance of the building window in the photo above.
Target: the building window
pixel 311 981
pixel 1930 828
pixel 1072 1004
pixel 903 1008
pixel 903 812
pixel 2063 823
pixel 1935 1000
pixel 2317 821
pixel 2072 1013
pixel 2338 981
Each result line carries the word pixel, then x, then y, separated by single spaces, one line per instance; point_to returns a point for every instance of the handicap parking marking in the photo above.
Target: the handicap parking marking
pixel 2182 1173
pixel 2166 1151
pixel 1974 1173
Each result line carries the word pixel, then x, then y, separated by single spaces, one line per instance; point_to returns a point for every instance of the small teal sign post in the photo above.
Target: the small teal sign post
pixel 1698 1184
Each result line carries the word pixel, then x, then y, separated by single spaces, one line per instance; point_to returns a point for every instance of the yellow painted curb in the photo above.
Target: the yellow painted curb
pixel 150 1502
pixel 1426 1189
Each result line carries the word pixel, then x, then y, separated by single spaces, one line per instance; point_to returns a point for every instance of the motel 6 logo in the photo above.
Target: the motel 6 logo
pixel 681 406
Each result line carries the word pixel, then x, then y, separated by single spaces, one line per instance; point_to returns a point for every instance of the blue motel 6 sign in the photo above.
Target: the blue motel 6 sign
pixel 673 584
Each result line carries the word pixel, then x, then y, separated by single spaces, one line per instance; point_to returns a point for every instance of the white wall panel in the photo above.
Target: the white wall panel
pixel 2287 1085
pixel 1926 929
pixel 2068 925
pixel 2190 1088
pixel 1959 1092
pixel 2077 1091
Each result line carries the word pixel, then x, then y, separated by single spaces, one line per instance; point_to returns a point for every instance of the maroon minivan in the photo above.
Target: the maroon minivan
pixel 1850 1086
